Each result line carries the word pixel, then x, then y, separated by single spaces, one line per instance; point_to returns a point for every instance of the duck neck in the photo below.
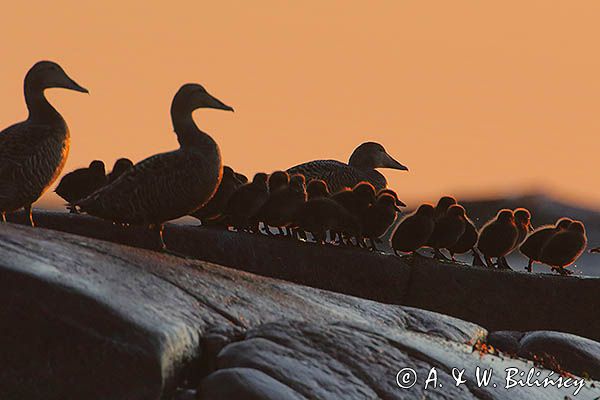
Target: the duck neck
pixel 188 134
pixel 40 110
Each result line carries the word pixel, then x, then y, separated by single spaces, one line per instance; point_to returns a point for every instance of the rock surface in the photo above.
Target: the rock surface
pixel 89 319
pixel 497 300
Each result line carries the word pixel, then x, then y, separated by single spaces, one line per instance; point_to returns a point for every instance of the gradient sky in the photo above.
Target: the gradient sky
pixel 475 97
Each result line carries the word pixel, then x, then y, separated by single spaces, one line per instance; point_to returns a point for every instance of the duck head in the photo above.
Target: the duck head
pixel 456 210
pixel 47 74
pixel 523 218
pixel 278 180
pixel 506 216
pixel 371 155
pixel 122 164
pixel 365 193
pixel 388 201
pixel 97 166
pixel 578 227
pixel 426 210
pixel 298 183
pixel 192 96
pixel 399 202
pixel 442 205
pixel 563 223
pixel 260 179
pixel 317 188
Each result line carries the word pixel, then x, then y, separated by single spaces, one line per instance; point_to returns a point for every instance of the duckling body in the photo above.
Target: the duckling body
pixel 245 202
pixel 564 247
pixel 533 245
pixel 282 205
pixel 415 230
pixel 121 166
pixel 380 216
pixel 216 205
pixel 322 214
pixel 360 167
pixel 523 222
pixel 82 182
pixel 33 152
pixel 498 237
pixel 467 240
pixel 448 228
pixel 169 185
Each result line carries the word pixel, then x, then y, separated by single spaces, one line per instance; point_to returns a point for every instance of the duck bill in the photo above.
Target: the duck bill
pixel 72 85
pixel 400 203
pixel 213 102
pixel 389 162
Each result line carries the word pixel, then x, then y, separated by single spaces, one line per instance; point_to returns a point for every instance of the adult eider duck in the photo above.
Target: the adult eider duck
pixel 81 183
pixel 564 247
pixel 448 229
pixel 523 222
pixel 33 152
pixel 121 166
pixel 360 167
pixel 532 246
pixel 245 203
pixel 169 185
pixel 497 238
pixel 215 207
pixel 415 230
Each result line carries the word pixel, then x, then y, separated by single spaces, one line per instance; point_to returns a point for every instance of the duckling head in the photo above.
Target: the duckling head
pixel 260 179
pixel 426 210
pixel 399 202
pixel 577 226
pixel 505 215
pixel 523 218
pixel 388 201
pixel 278 180
pixel 371 155
pixel 228 172
pixel 47 74
pixel 444 202
pixel 298 183
pixel 97 166
pixel 317 188
pixel 365 192
pixel 564 223
pixel 122 164
pixel 456 210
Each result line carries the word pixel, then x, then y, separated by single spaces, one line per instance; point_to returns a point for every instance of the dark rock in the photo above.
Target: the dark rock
pixel 505 341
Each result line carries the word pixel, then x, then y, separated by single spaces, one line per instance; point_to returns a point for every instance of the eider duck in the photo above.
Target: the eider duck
pixel 33 152
pixel 498 236
pixel 564 247
pixel 282 205
pixel 533 245
pixel 466 242
pixel 442 206
pixel 523 222
pixel 360 167
pixel 449 228
pixel 241 177
pixel 415 230
pixel 245 203
pixel 169 185
pixel 379 217
pixel 81 183
pixel 121 166
pixel 215 207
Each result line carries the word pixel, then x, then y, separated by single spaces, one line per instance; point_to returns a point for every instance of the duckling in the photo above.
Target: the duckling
pixel 33 152
pixel 245 202
pixel 317 188
pixel 81 183
pixel 360 167
pixel 449 228
pixel 278 180
pixel 466 242
pixel 533 245
pixel 322 214
pixel 378 217
pixel 399 202
pixel 215 207
pixel 564 247
pixel 498 237
pixel 523 222
pixel 169 185
pixel 121 166
pixel 356 201
pixel 282 205
pixel 241 177
pixel 442 206
pixel 415 230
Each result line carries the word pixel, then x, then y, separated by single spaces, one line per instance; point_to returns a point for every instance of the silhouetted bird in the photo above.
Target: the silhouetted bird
pixel 33 152
pixel 121 166
pixel 498 237
pixel 278 180
pixel 523 222
pixel 241 177
pixel 245 203
pixel 81 183
pixel 361 167
pixel 169 185
pixel 442 206
pixel 466 242
pixel 316 188
pixel 399 202
pixel 448 229
pixel 533 245
pixel 215 207
pixel 356 201
pixel 323 214
pixel 281 207
pixel 415 230
pixel 378 217
pixel 564 247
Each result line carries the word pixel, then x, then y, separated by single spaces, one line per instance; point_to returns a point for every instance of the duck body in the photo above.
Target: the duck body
pixel 245 203
pixel 448 228
pixel 564 247
pixel 82 182
pixel 216 205
pixel 169 185
pixel 34 152
pixel 467 240
pixel 322 214
pixel 360 167
pixel 498 237
pixel 282 205
pixel 379 216
pixel 532 246
pixel 415 230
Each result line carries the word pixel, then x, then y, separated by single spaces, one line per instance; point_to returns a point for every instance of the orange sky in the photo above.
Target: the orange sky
pixel 475 97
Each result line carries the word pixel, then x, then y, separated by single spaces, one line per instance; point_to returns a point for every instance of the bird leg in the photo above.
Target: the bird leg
pixel 3 217
pixel 562 271
pixel 529 266
pixel 29 213
pixel 477 261
pixel 503 264
pixel 438 255
pixel 488 262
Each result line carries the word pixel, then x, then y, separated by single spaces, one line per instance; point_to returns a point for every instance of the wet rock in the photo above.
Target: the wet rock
pixel 506 341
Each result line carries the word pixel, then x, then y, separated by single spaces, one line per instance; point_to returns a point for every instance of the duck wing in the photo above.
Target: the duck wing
pixel 337 174
pixel 160 188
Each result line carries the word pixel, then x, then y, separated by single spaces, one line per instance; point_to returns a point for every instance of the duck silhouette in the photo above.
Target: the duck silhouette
pixel 121 166
pixel 524 227
pixel 533 245
pixel 414 231
pixel 212 211
pixel 169 185
pixel 449 228
pixel 33 152
pixel 361 167
pixel 282 205
pixel 498 237
pixel 466 242
pixel 245 203
pixel 379 217
pixel 81 183
pixel 564 247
